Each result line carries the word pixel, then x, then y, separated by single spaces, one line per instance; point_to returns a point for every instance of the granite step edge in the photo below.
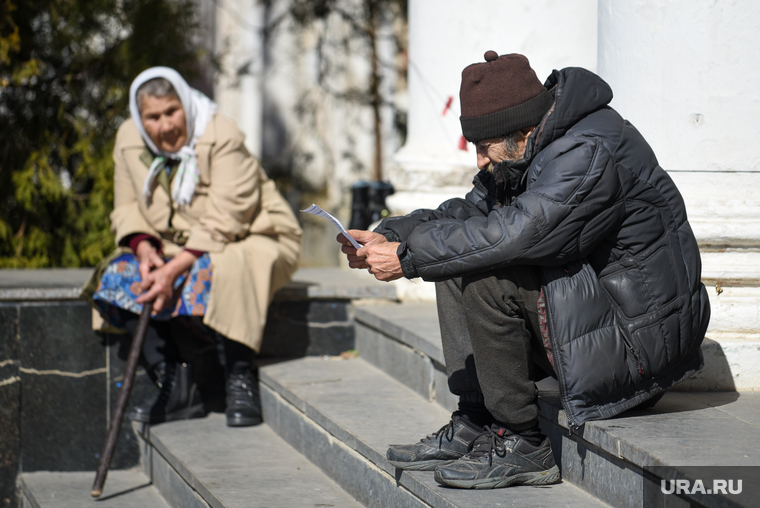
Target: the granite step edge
pixel 427 344
pixel 421 484
pixel 223 486
pixel 271 386
pixel 600 436
pixel 597 433
pixel 177 477
pixel 728 349
pixel 307 283
pixel 123 489
pixel 352 471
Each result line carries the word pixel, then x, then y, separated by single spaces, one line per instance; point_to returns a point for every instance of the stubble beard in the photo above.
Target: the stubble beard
pixel 511 148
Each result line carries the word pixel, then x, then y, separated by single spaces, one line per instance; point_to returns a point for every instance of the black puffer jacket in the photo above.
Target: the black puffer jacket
pixel 625 308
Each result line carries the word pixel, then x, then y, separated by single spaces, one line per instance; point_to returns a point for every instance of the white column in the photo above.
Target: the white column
pixel 239 89
pixel 685 73
pixel 444 37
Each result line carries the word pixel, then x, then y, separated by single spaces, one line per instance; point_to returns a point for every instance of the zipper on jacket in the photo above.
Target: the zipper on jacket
pixel 635 355
pixel 572 426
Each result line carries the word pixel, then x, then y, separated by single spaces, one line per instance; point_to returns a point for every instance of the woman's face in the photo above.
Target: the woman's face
pixel 164 121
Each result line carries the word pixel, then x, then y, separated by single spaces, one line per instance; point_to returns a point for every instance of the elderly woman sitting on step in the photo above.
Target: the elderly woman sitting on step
pixel 203 233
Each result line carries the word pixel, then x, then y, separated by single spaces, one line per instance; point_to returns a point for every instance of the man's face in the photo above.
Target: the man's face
pixel 491 152
pixel 495 150
pixel 164 121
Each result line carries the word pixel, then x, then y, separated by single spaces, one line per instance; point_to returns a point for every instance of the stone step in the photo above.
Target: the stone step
pixel 123 489
pixel 732 278
pixel 203 463
pixel 605 458
pixel 731 267
pixel 68 376
pixel 732 361
pixel 343 414
pixel 723 207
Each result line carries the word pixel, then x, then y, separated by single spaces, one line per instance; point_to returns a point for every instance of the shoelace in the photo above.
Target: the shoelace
pixel 166 381
pixel 486 443
pixel 240 389
pixel 446 431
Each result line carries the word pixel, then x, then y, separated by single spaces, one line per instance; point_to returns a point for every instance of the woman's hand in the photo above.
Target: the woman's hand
pixel 148 257
pixel 158 285
pixel 365 238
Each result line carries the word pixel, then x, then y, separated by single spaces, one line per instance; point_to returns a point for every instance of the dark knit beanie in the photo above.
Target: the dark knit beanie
pixel 501 96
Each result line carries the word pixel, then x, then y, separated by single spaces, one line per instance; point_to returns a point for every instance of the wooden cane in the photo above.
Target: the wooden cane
pixel 121 403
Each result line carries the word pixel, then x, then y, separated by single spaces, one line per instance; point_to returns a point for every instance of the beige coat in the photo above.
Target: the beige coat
pixel 236 215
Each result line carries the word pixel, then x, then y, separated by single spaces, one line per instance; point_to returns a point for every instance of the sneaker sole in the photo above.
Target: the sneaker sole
pixel 548 477
pixel 243 421
pixel 183 414
pixel 422 465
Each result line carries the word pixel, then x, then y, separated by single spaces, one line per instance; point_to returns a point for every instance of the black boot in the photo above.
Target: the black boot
pixel 178 397
pixel 243 401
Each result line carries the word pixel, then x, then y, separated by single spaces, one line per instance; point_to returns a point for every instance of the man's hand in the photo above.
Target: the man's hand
pixel 365 238
pixel 382 261
pixel 378 254
pixel 158 285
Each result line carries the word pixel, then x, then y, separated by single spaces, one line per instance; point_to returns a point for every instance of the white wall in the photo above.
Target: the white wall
pixel 447 35
pixel 686 74
pixel 240 43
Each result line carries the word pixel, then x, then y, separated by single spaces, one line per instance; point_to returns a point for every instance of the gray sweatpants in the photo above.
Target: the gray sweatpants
pixel 491 342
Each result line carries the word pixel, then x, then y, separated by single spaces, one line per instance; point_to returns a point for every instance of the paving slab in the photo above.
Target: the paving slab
pixel 367 410
pixel 123 489
pixel 243 467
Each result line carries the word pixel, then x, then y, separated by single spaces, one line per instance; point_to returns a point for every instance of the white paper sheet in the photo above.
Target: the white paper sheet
pixel 315 210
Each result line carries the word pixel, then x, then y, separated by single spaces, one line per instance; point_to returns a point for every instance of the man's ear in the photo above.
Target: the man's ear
pixel 527 131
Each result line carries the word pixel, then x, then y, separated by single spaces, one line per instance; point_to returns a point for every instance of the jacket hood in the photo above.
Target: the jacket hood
pixel 577 93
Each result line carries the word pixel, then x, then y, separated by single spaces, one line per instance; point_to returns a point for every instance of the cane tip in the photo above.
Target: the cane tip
pixel 96 492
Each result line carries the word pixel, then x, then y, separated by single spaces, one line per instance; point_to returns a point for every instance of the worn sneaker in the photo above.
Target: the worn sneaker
pixel 499 458
pixel 451 442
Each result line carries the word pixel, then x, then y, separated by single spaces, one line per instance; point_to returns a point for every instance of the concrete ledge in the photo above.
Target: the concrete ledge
pixel 202 462
pixel 365 411
pixel 123 489
pixel 412 324
pixel 723 207
pixel 357 476
pixel 607 457
pixel 42 284
pixel 732 361
pixel 307 283
pixel 403 363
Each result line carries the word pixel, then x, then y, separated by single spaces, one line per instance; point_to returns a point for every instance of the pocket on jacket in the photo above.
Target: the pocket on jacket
pixel 660 275
pixel 644 285
pixel 624 287
pixel 660 343
pixel 593 359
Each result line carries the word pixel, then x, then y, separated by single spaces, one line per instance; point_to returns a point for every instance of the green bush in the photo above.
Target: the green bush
pixel 65 70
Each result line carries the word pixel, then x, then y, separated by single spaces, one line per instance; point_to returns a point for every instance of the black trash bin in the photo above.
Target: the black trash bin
pixel 368 203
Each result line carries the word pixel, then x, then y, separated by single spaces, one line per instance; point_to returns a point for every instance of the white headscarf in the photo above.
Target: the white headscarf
pixel 199 110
